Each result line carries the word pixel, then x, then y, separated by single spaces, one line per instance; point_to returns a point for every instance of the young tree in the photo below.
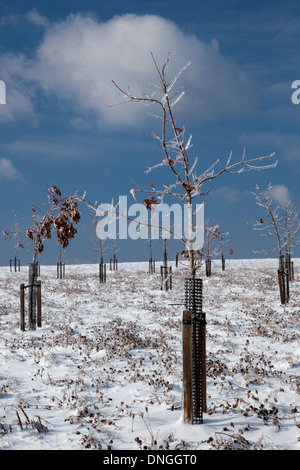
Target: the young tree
pixel 281 226
pixel 223 243
pixel 99 245
pixel 291 229
pixel 189 182
pixel 212 244
pixel 15 233
pixel 270 226
pixel 61 215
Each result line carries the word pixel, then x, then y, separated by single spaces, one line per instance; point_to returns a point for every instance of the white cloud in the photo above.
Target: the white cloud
pixel 34 17
pixel 59 149
pixel 78 58
pixel 19 95
pixel 7 170
pixel 280 194
pixel 227 194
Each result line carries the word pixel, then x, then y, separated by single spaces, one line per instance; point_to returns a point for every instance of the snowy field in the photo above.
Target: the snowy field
pixel 105 369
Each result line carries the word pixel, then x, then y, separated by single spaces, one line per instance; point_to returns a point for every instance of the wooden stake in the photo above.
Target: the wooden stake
pixel 22 308
pixel 39 304
pixel 281 287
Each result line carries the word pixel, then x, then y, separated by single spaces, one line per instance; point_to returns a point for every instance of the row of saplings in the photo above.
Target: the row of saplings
pixel 285 271
pixel 62 214
pixel 34 284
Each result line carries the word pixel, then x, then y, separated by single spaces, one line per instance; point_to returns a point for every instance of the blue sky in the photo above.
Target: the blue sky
pixel 57 60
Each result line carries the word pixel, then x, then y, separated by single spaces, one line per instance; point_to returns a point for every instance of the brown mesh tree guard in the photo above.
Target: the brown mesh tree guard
pixel 223 262
pixel 166 277
pixel 14 263
pixel 208 267
pixel 32 296
pixel 102 273
pixel 193 303
pixel 36 318
pixel 113 264
pixel 284 287
pixel 60 270
pixel 34 299
pixel 151 266
pixel 289 267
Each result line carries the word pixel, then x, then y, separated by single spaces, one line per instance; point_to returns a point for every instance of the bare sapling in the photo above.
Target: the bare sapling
pixel 14 233
pixel 100 248
pixel 291 229
pixel 212 244
pixel 272 226
pixel 166 271
pixel 114 261
pixel 98 245
pixel 151 262
pixel 223 244
pixel 188 181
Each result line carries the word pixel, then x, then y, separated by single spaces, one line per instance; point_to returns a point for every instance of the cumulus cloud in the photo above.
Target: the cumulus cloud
pixel 7 170
pixel 280 194
pixel 79 56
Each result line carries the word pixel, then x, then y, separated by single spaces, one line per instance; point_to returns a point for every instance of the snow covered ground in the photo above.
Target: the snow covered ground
pixel 105 369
